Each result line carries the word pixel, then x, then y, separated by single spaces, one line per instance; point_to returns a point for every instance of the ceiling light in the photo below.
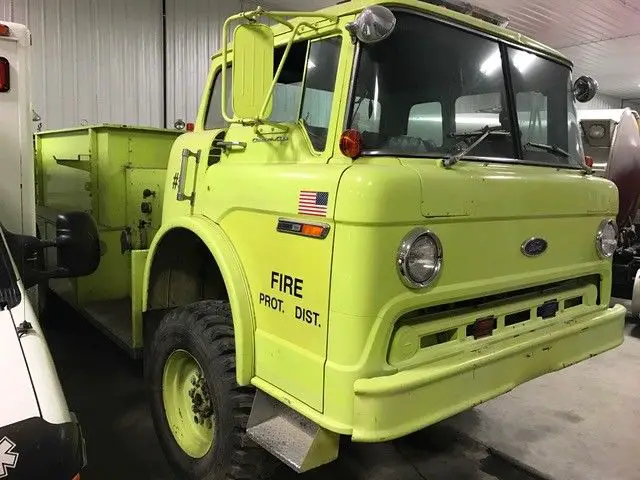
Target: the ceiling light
pixel 523 60
pixel 491 64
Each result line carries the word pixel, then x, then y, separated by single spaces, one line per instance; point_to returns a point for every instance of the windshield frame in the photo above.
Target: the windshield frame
pixel 503 44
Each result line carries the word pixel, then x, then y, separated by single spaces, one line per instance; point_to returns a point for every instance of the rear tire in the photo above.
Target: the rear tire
pixel 202 333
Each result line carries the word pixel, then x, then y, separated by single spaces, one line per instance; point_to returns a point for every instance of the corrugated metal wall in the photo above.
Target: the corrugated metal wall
pixel 94 60
pixel 101 60
pixel 601 102
pixel 193 35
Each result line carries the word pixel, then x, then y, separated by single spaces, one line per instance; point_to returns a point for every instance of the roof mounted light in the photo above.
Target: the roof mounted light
pixel 373 24
pixel 472 10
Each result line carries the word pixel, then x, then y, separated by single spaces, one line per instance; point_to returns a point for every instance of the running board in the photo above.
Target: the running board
pixel 292 438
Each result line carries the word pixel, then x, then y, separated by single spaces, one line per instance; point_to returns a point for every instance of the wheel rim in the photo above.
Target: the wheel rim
pixel 187 404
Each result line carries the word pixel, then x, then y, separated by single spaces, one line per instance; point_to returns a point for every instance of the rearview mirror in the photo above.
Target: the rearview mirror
pixel 584 89
pixel 252 69
pixel 77 245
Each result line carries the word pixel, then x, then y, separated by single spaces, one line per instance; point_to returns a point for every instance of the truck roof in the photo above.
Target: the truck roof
pixel 17 32
pixel 354 6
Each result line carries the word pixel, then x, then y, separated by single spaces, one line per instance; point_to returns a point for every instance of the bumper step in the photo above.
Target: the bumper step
pixel 292 438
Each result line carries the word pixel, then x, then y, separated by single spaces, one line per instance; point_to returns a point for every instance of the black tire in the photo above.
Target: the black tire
pixel 204 329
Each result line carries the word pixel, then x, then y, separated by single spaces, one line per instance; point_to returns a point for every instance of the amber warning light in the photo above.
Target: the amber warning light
pixel 351 143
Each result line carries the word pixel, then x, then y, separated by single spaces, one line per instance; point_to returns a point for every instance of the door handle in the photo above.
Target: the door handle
pixel 229 145
pixel 182 179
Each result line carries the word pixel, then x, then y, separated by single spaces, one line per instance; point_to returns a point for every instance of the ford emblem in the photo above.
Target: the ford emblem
pixel 534 246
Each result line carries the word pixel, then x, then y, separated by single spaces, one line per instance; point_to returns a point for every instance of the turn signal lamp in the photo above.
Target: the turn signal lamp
pixel 190 127
pixel 351 143
pixel 588 161
pixel 4 30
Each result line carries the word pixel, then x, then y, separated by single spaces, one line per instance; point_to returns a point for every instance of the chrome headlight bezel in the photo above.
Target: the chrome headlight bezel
pixel 403 254
pixel 600 234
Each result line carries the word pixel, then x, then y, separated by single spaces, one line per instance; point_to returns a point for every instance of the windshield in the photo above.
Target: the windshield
pixel 431 90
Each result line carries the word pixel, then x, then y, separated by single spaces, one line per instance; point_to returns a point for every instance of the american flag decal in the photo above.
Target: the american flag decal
pixel 313 203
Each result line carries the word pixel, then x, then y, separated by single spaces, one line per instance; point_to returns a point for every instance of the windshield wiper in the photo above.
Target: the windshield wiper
pixel 549 148
pixel 484 133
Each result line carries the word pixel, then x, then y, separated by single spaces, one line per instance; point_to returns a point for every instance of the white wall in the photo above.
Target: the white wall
pixel 93 60
pixel 193 34
pixel 601 102
pixel 98 61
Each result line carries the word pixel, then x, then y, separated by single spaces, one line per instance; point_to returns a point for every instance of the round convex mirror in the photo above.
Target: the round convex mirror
pixel 584 89
pixel 373 25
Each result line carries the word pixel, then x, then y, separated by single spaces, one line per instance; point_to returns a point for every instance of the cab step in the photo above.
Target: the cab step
pixel 292 438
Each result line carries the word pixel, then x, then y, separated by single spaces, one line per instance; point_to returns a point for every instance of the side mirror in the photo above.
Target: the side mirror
pixel 584 89
pixel 77 244
pixel 252 72
pixel 373 24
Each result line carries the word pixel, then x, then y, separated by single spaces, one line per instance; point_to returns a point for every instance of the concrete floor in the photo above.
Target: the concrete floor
pixel 105 389
pixel 581 423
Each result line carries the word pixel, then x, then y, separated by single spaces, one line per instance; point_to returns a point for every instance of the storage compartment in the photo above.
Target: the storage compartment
pixel 117 174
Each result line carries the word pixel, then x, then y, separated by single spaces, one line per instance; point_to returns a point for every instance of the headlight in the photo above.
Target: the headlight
pixel 419 258
pixel 607 238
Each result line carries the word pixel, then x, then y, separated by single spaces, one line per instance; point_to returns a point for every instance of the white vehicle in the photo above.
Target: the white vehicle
pixel 39 437
pixel 612 139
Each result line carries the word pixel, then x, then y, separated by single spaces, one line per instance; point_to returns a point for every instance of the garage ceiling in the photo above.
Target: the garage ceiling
pixel 602 37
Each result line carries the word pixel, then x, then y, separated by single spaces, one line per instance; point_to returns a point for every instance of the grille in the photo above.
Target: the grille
pixel 439 327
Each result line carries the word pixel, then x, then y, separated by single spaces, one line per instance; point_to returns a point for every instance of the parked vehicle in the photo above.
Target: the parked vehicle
pixel 612 139
pixel 335 249
pixel 39 437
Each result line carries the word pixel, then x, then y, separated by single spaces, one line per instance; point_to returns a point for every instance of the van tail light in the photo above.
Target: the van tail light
pixel 5 83
pixel 588 161
pixel 4 30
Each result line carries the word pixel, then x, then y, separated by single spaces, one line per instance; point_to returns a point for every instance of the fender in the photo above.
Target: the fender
pixel 234 278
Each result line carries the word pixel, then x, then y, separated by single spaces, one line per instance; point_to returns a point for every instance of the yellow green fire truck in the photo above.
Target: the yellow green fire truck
pixel 381 218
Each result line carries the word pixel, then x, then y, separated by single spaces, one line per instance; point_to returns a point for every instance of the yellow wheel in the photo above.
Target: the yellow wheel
pixel 199 411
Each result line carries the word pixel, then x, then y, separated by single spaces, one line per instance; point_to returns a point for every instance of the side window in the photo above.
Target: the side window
pixel 425 122
pixel 214 111
pixel 319 86
pixel 288 90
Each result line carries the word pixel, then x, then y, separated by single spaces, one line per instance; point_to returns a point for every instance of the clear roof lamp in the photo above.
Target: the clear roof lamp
pixel 373 24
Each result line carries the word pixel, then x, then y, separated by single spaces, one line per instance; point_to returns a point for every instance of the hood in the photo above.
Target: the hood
pixel 18 400
pixel 29 385
pixel 503 191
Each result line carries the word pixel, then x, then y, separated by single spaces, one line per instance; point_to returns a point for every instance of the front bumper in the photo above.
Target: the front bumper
pixel 391 406
pixel 35 449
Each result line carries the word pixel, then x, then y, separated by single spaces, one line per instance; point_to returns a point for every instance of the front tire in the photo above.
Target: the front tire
pixel 199 411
